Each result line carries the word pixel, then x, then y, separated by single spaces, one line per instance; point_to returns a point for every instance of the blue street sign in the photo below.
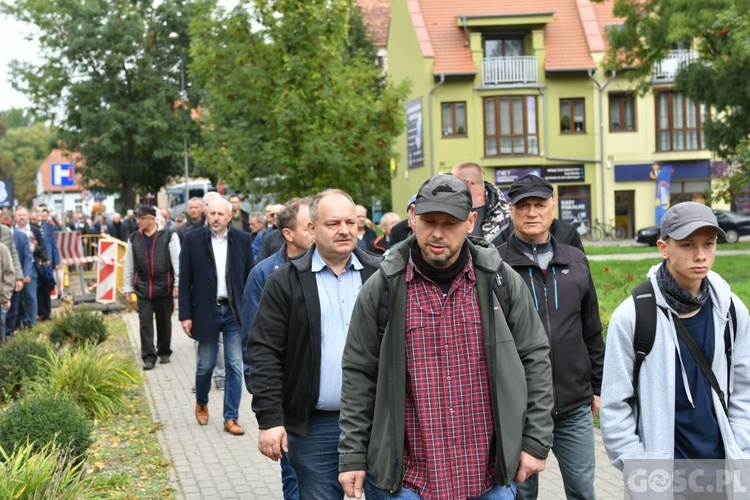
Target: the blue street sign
pixel 63 174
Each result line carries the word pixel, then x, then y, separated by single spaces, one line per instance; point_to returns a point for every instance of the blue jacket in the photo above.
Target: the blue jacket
pixel 24 251
pixel 197 300
pixel 50 243
pixel 256 281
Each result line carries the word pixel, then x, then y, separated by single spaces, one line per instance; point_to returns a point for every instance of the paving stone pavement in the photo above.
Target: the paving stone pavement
pixel 208 463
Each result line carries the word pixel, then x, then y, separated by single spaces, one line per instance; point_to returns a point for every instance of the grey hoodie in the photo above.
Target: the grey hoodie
pixel 655 434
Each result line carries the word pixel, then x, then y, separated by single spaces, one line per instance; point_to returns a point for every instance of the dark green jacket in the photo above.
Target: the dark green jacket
pixel 374 371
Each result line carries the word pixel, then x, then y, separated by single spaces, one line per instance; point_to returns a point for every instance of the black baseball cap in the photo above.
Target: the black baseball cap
pixel 145 210
pixel 530 186
pixel 446 194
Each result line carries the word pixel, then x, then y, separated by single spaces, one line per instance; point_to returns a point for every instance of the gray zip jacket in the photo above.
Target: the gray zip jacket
pixel 374 371
pixel 654 437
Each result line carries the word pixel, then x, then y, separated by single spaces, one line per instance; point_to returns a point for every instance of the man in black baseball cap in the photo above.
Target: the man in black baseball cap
pixel 443 311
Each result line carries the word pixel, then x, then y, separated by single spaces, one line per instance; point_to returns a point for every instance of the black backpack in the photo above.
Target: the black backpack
pixel 645 333
pixel 498 286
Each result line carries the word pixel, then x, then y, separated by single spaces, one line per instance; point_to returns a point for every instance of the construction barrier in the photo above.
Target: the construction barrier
pixel 110 269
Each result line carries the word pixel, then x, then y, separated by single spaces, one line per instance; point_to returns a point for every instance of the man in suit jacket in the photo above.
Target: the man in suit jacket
pixel 53 253
pixel 214 264
pixel 39 254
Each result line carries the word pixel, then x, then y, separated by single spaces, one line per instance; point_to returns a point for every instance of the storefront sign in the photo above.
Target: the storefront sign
pixel 414 137
pixel 565 173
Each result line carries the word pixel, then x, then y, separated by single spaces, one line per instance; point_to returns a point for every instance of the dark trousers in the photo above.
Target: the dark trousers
pixel 45 303
pixel 14 313
pixel 161 309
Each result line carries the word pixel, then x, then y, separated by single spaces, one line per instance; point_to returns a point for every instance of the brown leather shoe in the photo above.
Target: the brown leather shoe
pixel 232 427
pixel 201 414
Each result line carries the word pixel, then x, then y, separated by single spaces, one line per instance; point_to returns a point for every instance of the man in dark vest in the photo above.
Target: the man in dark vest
pixel 152 263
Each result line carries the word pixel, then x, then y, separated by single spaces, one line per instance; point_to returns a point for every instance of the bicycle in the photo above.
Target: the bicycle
pixel 599 231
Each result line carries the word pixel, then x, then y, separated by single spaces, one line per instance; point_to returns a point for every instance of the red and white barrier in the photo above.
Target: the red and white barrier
pixel 106 278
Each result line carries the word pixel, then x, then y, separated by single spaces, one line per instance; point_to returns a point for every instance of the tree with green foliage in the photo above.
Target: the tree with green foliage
pixel 109 82
pixel 23 148
pixel 295 103
pixel 720 33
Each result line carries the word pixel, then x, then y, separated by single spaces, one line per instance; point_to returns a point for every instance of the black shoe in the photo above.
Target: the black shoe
pixel 164 359
pixel 149 365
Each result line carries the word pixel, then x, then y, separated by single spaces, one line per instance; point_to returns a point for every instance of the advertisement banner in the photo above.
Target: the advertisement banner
pixel 6 193
pixel 414 137
pixel 662 174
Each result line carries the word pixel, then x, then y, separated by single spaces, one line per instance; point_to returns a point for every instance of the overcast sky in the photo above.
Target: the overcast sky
pixel 13 46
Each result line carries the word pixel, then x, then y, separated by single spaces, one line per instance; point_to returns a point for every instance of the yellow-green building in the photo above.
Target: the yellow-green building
pixel 518 88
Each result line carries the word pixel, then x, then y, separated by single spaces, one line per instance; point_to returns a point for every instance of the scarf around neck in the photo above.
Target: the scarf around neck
pixel 677 297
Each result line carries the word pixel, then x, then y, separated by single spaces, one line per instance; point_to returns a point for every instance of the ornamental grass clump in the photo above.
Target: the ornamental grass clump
pixel 43 472
pixel 98 380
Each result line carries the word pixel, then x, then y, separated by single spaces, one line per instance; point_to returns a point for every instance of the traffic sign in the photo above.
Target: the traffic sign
pixel 63 174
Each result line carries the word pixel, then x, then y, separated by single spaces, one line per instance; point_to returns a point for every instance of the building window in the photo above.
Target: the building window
pixel 510 126
pixel 454 119
pixel 678 122
pixel 503 47
pixel 622 112
pixel 571 116
pixel 693 190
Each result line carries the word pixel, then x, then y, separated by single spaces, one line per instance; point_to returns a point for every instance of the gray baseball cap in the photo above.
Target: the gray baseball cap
pixel 685 218
pixel 444 193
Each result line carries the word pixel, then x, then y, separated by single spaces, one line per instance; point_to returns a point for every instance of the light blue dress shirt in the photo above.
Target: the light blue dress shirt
pixel 337 296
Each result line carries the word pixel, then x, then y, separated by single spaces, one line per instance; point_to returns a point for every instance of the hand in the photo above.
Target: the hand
pixel 272 441
pixel 6 306
pixel 175 292
pixel 19 286
pixel 127 297
pixel 353 482
pixel 528 466
pixel 595 405
pixel 26 279
pixel 187 327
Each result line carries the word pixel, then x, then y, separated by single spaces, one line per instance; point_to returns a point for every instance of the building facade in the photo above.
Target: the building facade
pixel 519 88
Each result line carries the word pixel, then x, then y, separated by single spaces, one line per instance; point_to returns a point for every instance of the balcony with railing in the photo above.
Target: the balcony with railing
pixel 666 70
pixel 509 70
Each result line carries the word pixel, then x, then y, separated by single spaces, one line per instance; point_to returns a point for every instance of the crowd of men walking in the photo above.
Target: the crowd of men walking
pixel 445 357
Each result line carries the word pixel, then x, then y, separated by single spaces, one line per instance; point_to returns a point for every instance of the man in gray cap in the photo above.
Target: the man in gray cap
pixel 559 280
pixel 152 265
pixel 438 370
pixel 675 411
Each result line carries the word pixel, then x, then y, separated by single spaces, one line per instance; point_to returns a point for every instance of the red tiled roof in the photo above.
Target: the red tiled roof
pixel 377 17
pixel 60 156
pixel 577 29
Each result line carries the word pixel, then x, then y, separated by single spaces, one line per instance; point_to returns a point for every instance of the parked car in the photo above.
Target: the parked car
pixel 733 224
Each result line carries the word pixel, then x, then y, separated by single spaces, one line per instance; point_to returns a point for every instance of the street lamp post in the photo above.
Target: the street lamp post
pixel 174 36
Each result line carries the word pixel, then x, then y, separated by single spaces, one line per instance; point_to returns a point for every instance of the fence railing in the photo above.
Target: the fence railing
pixel 666 70
pixel 506 70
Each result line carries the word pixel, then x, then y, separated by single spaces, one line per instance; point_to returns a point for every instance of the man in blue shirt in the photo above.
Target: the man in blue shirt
pixel 296 343
pixel 293 222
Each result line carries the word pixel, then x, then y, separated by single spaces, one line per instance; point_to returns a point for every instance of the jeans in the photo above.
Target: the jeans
pixel 573 446
pixel 207 353
pixel 498 492
pixel 315 459
pixel 30 301
pixel 288 479
pixel 219 371
pixel 3 329
pixel 14 314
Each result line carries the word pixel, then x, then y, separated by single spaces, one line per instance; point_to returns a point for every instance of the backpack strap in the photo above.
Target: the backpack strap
pixel 384 306
pixel 730 330
pixel 500 287
pixel 699 358
pixel 644 335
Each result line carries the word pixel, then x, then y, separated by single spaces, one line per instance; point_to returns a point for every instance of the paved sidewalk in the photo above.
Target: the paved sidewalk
pixel 208 463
